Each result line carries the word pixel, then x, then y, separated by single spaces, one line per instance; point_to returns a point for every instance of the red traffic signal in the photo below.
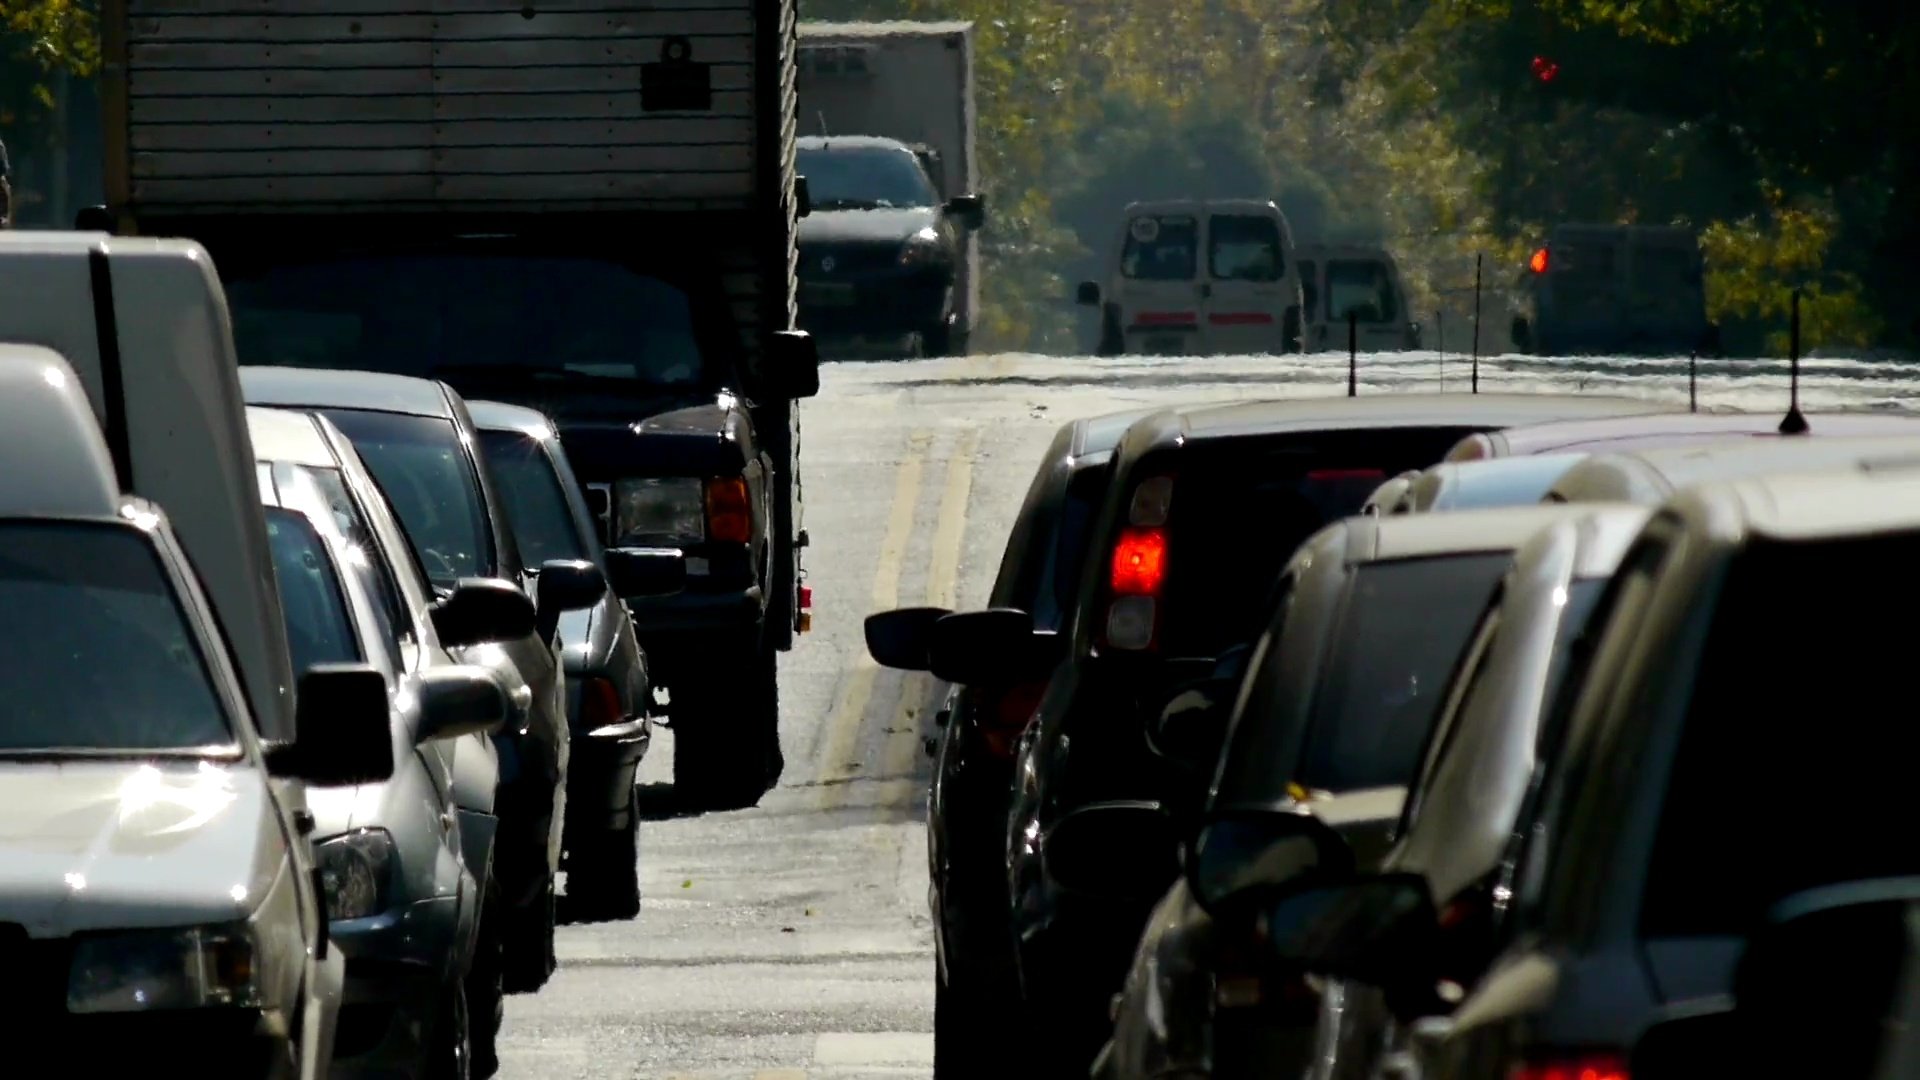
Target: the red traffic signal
pixel 1544 69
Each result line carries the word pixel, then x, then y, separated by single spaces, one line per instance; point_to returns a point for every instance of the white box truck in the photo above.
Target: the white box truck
pixel 882 256
pixel 586 206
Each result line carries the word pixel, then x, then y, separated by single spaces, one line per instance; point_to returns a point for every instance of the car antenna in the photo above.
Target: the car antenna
pixel 1794 422
pixel 1353 352
pixel 1693 380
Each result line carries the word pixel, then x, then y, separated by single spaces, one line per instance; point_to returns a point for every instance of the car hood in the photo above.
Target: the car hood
pixel 865 226
pixel 707 438
pixel 124 845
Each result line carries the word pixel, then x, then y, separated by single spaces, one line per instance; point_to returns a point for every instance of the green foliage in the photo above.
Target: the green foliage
pixel 41 37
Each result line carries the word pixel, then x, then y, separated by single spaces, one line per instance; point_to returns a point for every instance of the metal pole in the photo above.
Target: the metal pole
pixel 1794 423
pixel 1477 256
pixel 1693 381
pixel 1440 332
pixel 1353 352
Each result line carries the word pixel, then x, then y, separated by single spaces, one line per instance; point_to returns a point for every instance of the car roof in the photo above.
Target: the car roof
pixel 851 142
pixel 1412 536
pixel 1393 411
pixel 326 388
pixel 47 418
pixel 288 435
pixel 1810 506
pixel 1601 434
pixel 1509 481
pixel 1604 534
pixel 1157 206
pixel 1652 475
pixel 501 416
pixel 811 28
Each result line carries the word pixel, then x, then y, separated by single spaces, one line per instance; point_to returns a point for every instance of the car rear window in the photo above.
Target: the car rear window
pixel 1244 247
pixel 1241 507
pixel 1162 247
pixel 1796 766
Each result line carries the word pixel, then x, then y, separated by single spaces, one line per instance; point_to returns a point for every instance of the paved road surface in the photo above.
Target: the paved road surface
pixel 791 941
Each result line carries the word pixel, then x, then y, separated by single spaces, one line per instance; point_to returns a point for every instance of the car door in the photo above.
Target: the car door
pixel 1159 283
pixel 1244 295
pixel 1368 288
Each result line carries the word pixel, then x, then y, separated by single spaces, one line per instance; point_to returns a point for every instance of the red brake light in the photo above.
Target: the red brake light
pixel 1544 69
pixel 729 511
pixel 1539 261
pixel 1140 562
pixel 1594 1067
pixel 599 705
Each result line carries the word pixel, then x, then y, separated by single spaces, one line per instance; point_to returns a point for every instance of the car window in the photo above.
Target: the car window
pixel 1244 247
pixel 1800 693
pixel 99 653
pixel 1161 247
pixel 319 627
pixel 536 504
pixel 1059 586
pixel 365 559
pixel 1462 688
pixel 1362 286
pixel 432 487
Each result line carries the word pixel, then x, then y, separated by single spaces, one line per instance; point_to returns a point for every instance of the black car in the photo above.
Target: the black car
pixel 418 440
pixel 676 405
pixel 880 251
pixel 609 697
pixel 980 726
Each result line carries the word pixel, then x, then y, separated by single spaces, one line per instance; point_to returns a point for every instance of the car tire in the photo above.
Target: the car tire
pixel 450 1045
pixel 1112 341
pixel 714 768
pixel 937 340
pixel 603 875
pixel 529 958
pixel 958 1021
pixel 485 996
pixel 1291 339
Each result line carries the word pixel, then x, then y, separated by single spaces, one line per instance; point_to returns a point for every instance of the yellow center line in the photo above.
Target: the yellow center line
pixel 837 761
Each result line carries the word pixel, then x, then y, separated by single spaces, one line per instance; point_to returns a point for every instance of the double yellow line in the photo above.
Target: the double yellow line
pixel 841 758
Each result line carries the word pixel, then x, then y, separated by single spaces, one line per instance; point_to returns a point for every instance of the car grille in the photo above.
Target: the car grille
pixel 846 259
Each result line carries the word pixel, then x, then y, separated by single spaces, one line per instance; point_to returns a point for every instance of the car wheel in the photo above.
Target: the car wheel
pixel 937 340
pixel 603 876
pixel 450 1049
pixel 485 996
pixel 1290 339
pixel 529 955
pixel 726 735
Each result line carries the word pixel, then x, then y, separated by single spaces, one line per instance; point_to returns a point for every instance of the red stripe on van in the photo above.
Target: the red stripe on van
pixel 1164 318
pixel 1240 318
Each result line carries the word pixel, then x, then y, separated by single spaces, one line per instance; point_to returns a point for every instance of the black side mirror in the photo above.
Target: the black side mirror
pixel 93 219
pixel 995 647
pixel 1374 929
pixel 343 732
pixel 969 210
pixel 1123 850
pixel 459 700
pixel 793 361
pixel 1242 856
pixel 903 638
pixel 569 585
pixel 481 610
pixel 646 571
pixel 802 197
pixel 1087 295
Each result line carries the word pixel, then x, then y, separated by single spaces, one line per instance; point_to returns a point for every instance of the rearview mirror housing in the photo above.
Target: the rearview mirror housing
pixel 969 210
pixel 482 610
pixel 903 638
pixel 1087 295
pixel 1375 929
pixel 802 197
pixel 995 647
pixel 646 571
pixel 793 364
pixel 569 585
pixel 343 732
pixel 1122 849
pixel 460 700
pixel 1243 856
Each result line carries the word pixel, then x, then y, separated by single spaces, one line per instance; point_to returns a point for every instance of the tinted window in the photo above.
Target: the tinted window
pixel 319 629
pixel 426 477
pixel 1800 689
pixel 537 508
pixel 365 558
pixel 432 315
pixel 99 655
pixel 1244 247
pixel 1070 547
pixel 864 178
pixel 1161 248
pixel 1361 286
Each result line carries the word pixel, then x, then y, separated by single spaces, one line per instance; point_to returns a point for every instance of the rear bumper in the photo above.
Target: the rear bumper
pixel 662 621
pixel 888 302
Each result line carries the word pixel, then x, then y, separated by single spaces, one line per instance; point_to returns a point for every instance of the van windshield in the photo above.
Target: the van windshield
pixel 1361 286
pixel 99 655
pixel 1161 247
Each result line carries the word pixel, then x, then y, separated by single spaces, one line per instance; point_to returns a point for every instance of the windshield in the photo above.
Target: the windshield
pixel 537 509
pixel 99 655
pixel 419 465
pixel 1363 287
pixel 319 630
pixel 864 178
pixel 474 315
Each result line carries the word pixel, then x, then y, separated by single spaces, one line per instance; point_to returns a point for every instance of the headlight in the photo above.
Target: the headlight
pixel 673 509
pixel 166 969
pixel 355 871
pixel 923 248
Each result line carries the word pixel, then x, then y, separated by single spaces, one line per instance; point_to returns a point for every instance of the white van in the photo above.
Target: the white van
pixel 1342 278
pixel 1198 277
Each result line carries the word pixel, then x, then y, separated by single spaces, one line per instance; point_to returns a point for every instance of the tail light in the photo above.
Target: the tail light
pixel 729 510
pixel 599 705
pixel 1007 715
pixel 1582 1067
pixel 1137 570
pixel 1539 261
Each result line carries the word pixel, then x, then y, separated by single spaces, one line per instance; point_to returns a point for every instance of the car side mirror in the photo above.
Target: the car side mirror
pixel 1372 929
pixel 460 700
pixel 1087 295
pixel 969 210
pixel 802 197
pixel 1122 849
pixel 1242 856
pixel 793 361
pixel 903 638
pixel 568 585
pixel 343 728
pixel 991 648
pixel 482 610
pixel 646 571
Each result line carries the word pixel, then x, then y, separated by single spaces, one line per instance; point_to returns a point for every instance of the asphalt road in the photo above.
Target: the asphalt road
pixel 792 941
